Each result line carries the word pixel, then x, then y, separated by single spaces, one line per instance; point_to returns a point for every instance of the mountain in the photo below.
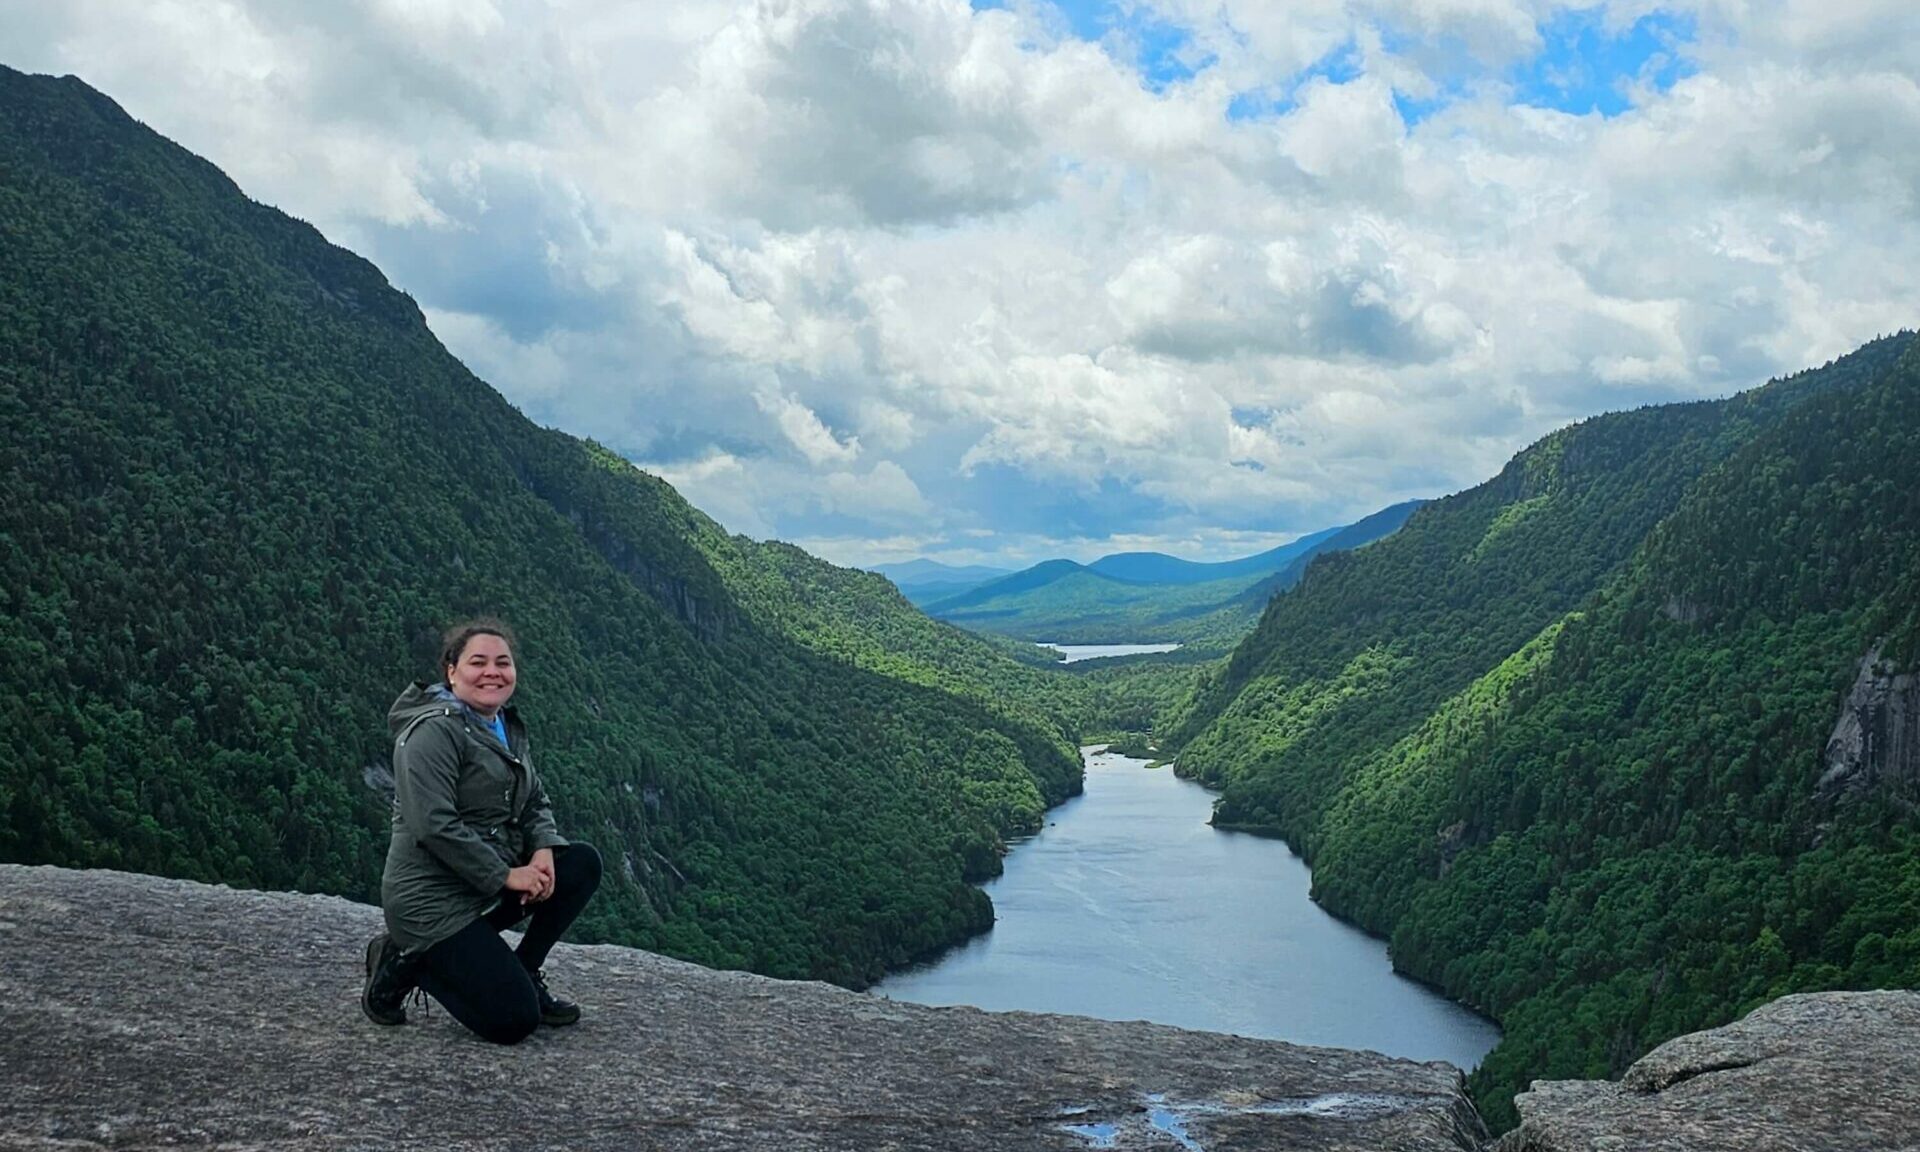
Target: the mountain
pixel 1160 568
pixel 1358 534
pixel 244 486
pixel 932 571
pixel 924 581
pixel 1026 580
pixel 1081 606
pixel 1149 597
pixel 924 569
pixel 928 582
pixel 860 618
pixel 1577 739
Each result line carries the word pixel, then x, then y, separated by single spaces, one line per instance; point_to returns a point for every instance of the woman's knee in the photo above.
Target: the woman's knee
pixel 512 1020
pixel 580 864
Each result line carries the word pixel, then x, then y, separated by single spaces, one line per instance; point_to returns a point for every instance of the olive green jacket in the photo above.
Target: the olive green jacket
pixel 465 810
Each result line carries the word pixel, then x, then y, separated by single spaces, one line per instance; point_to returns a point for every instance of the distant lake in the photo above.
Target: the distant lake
pixel 1074 652
pixel 1128 906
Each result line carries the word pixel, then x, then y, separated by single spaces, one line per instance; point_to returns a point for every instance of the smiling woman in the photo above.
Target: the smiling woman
pixel 474 851
pixel 480 672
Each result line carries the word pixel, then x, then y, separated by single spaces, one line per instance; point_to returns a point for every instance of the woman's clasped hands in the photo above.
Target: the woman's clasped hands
pixel 534 879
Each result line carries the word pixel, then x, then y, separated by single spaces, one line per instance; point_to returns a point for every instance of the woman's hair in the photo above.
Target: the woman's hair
pixel 454 641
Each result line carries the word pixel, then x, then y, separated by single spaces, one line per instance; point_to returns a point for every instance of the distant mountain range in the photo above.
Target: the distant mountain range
pixel 1160 568
pixel 924 581
pixel 1129 597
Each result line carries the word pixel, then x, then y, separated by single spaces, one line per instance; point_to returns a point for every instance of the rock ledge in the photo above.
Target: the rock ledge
pixel 138 1012
pixel 1825 1072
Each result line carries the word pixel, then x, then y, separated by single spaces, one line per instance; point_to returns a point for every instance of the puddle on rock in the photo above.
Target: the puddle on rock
pixel 1096 1135
pixel 1172 1119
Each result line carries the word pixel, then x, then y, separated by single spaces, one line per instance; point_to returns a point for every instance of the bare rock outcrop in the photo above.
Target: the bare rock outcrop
pixel 1875 745
pixel 140 1012
pixel 1826 1072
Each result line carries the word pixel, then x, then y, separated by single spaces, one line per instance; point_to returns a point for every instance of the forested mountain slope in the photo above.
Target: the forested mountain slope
pixel 1359 534
pixel 861 618
pixel 1222 628
pixel 1370 642
pixel 1595 812
pixel 244 485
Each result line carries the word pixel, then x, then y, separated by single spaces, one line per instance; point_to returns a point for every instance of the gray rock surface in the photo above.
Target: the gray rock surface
pixel 141 1012
pixel 1827 1072
pixel 1875 745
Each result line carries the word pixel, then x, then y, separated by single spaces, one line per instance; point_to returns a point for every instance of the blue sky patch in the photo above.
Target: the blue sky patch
pixel 1413 111
pixel 1337 67
pixel 1163 53
pixel 1582 67
pixel 1585 68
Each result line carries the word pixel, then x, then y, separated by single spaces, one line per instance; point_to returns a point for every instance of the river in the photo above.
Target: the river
pixel 1128 906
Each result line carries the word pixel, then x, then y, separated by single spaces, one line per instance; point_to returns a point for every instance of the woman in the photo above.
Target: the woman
pixel 474 851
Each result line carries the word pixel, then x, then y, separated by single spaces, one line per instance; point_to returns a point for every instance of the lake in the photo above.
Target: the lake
pixel 1128 906
pixel 1072 653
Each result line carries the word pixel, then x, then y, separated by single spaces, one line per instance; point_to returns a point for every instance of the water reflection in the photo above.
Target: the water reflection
pixel 1128 906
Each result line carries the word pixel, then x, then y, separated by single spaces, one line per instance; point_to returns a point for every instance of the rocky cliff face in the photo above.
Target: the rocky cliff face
pixel 138 1012
pixel 1875 746
pixel 1829 1072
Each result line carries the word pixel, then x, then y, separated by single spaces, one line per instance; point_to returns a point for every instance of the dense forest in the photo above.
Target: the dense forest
pixel 245 486
pixel 1560 736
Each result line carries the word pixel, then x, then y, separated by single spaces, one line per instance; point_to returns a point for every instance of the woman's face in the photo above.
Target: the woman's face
pixel 483 676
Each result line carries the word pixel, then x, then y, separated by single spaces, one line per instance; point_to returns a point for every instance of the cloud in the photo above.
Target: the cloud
pixel 721 485
pixel 980 280
pixel 885 494
pixel 1347 132
pixel 805 431
pixel 818 111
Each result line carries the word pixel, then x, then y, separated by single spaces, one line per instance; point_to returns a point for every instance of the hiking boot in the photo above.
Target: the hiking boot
pixel 554 1012
pixel 389 979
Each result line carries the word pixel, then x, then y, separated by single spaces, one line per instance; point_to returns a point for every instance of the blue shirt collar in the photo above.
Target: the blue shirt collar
pixel 497 725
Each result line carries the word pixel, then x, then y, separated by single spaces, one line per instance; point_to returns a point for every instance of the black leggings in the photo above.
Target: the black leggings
pixel 480 981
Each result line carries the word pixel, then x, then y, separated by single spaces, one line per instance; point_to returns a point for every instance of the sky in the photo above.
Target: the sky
pixel 1003 281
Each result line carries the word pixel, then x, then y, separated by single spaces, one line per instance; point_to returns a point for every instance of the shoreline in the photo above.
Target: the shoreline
pixel 972 980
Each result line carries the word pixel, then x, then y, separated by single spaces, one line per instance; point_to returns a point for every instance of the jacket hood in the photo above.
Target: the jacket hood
pixel 424 699
pixel 421 699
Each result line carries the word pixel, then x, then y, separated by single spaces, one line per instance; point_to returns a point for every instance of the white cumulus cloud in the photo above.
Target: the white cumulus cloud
pixel 903 274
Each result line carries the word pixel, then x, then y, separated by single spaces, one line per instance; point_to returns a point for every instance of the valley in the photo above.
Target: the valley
pixel 1614 746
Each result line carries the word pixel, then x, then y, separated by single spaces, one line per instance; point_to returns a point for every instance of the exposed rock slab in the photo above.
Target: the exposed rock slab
pixel 1827 1072
pixel 137 1012
pixel 1875 745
